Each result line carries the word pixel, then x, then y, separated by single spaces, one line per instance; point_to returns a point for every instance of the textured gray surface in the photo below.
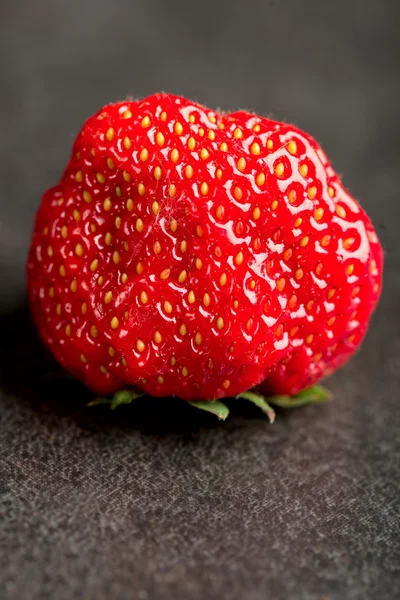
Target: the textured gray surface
pixel 157 503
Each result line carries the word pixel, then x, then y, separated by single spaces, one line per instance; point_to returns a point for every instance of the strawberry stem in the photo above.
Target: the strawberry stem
pixel 216 407
pixel 312 395
pixel 259 401
pixel 120 397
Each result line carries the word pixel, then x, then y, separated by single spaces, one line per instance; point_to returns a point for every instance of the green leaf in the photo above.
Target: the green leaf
pixel 312 395
pixel 216 407
pixel 260 401
pixel 120 397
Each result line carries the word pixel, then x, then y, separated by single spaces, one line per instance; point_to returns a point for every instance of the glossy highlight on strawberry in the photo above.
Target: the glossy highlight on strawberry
pixel 196 254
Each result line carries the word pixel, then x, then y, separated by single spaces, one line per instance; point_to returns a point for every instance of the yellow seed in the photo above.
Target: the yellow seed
pixel 252 284
pixel 325 240
pixel 238 193
pixel 114 323
pixel 64 231
pixel 155 207
pixel 144 155
pixel 124 363
pixel 141 189
pixel 126 176
pixel 110 134
pixel 204 188
pixel 191 143
pixel 58 309
pixel 111 351
pixel 206 299
pixel 146 121
pixel 238 133
pixel 331 321
pixel 157 337
pixel 199 264
pixel 260 179
pixel 219 173
pixel 298 274
pixel 211 135
pixel 93 152
pixel 108 238
pixel 129 204
pixel 172 361
pixel 304 241
pixel 107 297
pixel 172 190
pixel 165 274
pixel 224 147
pixel 185 372
pixel 87 196
pixel 312 192
pixel 84 308
pixel 191 297
pixel 212 118
pixel 83 358
pixel 219 213
pixel 62 271
pixel 178 128
pixel 174 155
pixel 51 292
pixel 256 128
pixel 127 115
pixel 226 383
pixel 160 139
pixel 157 247
pixel 163 116
pixel 78 176
pixel 331 293
pixel 303 169
pixel 292 147
pixel 270 144
pixel 100 177
pixel 168 307
pixel 204 154
pixel 79 249
pixel 140 345
pixel 173 225
pixel 309 338
pixel 281 284
pixel 292 196
pixel 68 330
pixel 183 246
pixel 139 225
pixel 110 163
pixel 124 277
pixel 198 339
pixel 157 173
pixel 160 379
pixel 239 258
pixel 103 369
pixel 255 149
pixel 94 331
pixel 318 214
pixel 199 231
pixel 340 211
pixel 220 323
pixel 293 331
pixel 127 143
pixel 92 227
pixel 74 285
pixel 223 279
pixel 331 191
pixel 126 245
pixel 348 242
pixel 256 213
pixel 117 222
pixel 60 201
pixel 77 215
pixel 144 297
pixel 107 204
pixel 182 329
pixel 182 276
pixel 192 119
pixel 279 169
pixel 189 172
pixel 274 204
pixel 116 257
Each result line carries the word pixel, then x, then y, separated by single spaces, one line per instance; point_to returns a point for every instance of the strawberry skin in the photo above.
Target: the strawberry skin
pixel 190 253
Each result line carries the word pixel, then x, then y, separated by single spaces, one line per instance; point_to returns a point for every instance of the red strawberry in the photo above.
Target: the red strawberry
pixel 199 254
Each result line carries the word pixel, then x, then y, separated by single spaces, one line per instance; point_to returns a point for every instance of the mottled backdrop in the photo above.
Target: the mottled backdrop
pixel 159 502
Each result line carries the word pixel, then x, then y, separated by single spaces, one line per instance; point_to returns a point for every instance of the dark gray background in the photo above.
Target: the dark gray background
pixel 157 501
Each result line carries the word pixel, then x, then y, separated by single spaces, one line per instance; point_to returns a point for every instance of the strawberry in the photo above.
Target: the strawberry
pixel 196 254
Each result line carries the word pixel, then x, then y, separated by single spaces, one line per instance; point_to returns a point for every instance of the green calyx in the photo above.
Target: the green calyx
pixel 312 395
